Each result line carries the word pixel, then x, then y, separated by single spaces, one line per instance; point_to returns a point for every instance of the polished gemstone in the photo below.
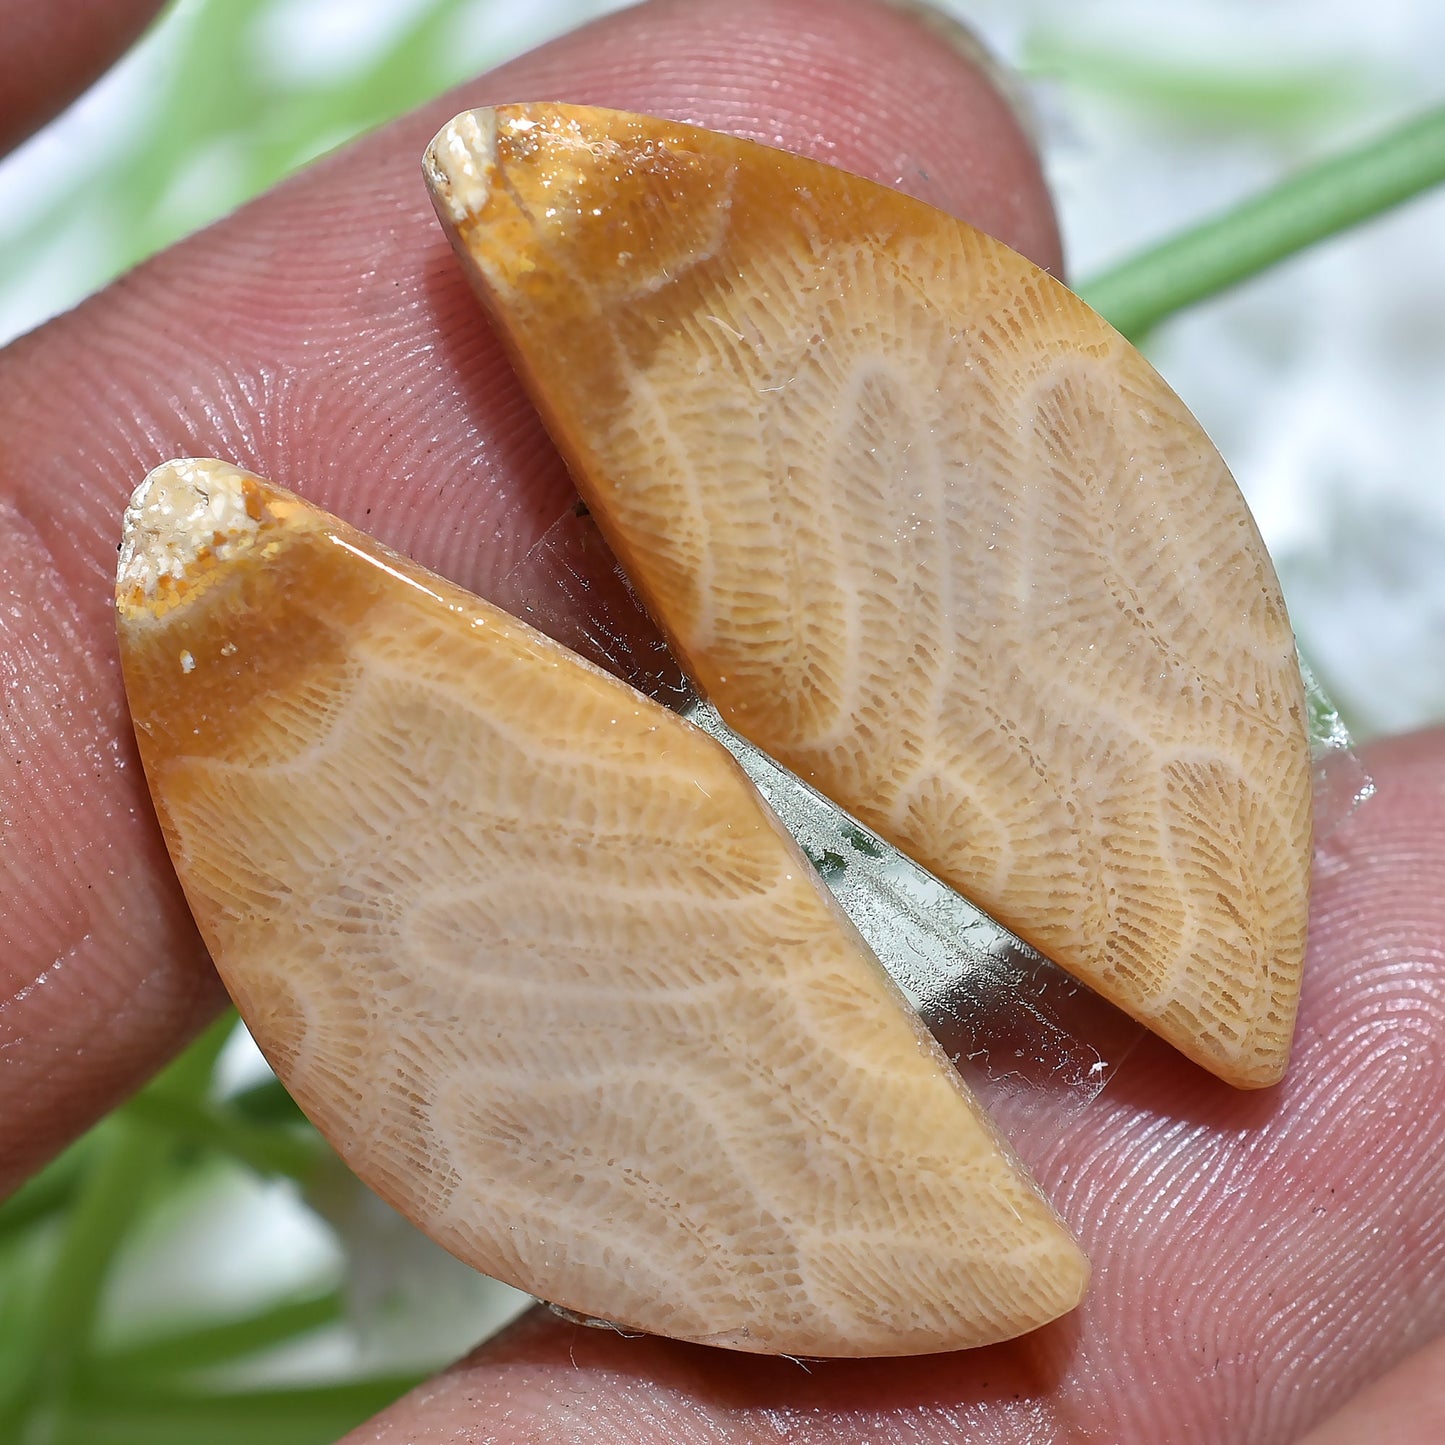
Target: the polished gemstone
pixel 928 532
pixel 536 957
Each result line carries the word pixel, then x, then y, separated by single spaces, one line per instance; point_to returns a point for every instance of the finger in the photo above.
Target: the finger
pixel 53 50
pixel 324 337
pixel 1257 1258
pixel 1407 1407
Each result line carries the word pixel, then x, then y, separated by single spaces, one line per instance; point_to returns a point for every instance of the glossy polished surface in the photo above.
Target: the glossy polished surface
pixel 927 531
pixel 537 959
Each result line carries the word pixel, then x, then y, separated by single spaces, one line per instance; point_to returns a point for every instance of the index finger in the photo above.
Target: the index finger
pixel 53 51
pixel 324 337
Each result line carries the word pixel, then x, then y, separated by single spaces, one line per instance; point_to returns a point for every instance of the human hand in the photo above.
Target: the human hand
pixel 324 337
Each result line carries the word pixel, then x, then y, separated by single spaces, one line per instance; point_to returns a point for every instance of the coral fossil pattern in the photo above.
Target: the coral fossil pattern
pixel 539 961
pixel 929 532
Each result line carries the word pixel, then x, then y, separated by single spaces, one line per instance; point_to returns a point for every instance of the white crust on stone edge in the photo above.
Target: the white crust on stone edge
pixel 460 161
pixel 182 509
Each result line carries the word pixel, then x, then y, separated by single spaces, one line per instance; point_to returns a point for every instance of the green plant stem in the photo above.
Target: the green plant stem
pixel 50 1191
pixel 265 1102
pixel 297 1416
pixel 1139 293
pixel 47 1193
pixel 268 1149
pixel 178 1103
pixel 1246 96
pixel 92 1203
pixel 105 1202
pixel 206 1346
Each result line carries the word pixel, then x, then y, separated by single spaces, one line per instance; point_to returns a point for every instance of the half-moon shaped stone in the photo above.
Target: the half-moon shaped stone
pixel 541 964
pixel 929 532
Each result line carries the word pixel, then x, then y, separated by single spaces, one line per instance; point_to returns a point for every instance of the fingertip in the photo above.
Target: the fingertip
pixel 1406 1406
pixel 890 89
pixel 53 51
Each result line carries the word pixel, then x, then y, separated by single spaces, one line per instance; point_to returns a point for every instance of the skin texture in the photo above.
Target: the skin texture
pixel 325 336
pixel 53 50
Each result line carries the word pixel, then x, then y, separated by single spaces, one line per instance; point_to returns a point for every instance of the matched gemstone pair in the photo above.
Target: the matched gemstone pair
pixel 533 952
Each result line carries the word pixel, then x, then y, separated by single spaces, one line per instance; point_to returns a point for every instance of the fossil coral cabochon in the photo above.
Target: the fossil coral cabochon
pixel 929 532
pixel 540 963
